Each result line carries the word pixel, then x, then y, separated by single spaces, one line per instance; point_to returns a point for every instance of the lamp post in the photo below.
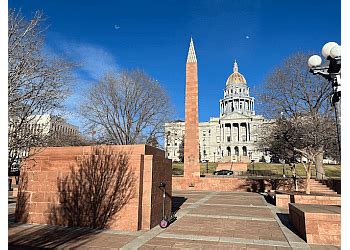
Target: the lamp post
pixel 332 72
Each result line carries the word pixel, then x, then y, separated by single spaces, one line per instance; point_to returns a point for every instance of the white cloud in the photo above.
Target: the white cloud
pixel 93 62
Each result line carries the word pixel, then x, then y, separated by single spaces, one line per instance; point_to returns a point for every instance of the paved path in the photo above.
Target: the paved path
pixel 206 220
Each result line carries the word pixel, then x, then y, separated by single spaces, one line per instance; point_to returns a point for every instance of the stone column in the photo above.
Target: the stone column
pixel 238 131
pixel 249 131
pixel 191 147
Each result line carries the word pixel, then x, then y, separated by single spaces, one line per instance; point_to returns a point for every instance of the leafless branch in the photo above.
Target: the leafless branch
pixel 127 108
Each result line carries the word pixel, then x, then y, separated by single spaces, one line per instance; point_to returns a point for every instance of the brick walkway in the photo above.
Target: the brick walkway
pixel 206 220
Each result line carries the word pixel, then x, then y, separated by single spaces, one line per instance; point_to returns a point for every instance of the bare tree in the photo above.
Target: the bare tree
pixel 63 140
pixel 298 137
pixel 300 103
pixel 37 84
pixel 126 108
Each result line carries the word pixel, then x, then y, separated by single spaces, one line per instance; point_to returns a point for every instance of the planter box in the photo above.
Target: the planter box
pixel 316 224
pixel 283 199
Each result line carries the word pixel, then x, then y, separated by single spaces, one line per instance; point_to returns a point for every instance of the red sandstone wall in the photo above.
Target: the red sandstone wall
pixel 317 228
pixel 45 168
pixel 283 200
pixel 208 183
pixel 233 166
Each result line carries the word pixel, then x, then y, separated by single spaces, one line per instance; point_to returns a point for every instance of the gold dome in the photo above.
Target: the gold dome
pixel 235 77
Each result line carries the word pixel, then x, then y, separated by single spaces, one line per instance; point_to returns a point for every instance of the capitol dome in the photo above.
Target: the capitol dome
pixel 235 77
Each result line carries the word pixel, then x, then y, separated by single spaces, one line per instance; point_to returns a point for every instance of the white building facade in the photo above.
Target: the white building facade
pixel 43 125
pixel 233 136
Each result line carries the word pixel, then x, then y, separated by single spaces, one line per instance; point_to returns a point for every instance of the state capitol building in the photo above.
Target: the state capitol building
pixel 233 136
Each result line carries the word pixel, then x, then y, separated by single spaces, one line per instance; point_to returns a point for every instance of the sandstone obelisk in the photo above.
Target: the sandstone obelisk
pixel 191 144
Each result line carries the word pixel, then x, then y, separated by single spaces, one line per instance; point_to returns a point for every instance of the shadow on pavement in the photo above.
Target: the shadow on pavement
pixel 284 218
pixel 177 202
pixel 36 237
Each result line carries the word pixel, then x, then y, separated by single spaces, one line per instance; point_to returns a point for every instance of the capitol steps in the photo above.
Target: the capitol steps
pixel 317 187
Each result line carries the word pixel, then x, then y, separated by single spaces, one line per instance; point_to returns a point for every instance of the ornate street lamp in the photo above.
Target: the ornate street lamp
pixel 332 72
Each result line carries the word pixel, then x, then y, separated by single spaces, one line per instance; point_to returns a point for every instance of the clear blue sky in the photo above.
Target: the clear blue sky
pixel 154 36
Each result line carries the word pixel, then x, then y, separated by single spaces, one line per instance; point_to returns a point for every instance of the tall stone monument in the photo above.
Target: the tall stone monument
pixel 191 144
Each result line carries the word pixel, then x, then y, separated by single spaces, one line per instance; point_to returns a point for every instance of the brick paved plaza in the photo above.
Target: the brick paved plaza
pixel 206 220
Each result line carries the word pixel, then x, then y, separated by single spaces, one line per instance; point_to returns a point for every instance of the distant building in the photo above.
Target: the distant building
pixel 53 124
pixel 44 125
pixel 231 137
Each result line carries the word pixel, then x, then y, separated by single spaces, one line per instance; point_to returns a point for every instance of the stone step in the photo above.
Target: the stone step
pixel 317 183
pixel 317 186
pixel 13 193
pixel 324 191
pixel 322 187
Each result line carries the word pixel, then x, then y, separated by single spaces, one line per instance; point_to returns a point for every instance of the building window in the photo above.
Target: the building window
pixel 244 151
pixel 236 151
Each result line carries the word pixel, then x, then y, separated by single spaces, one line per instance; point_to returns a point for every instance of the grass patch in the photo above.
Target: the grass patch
pixel 330 169
pixel 178 167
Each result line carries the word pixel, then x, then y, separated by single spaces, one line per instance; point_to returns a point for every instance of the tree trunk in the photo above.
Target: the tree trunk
pixel 308 177
pixel 320 174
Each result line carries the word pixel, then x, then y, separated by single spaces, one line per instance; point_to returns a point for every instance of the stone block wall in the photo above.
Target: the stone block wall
pixel 210 184
pixel 224 183
pixel 45 172
pixel 317 224
pixel 233 166
pixel 283 200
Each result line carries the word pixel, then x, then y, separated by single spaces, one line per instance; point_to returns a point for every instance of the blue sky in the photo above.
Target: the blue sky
pixel 154 36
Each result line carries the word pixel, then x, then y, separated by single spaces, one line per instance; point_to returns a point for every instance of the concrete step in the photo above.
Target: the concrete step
pixel 323 192
pixel 321 187
pixel 13 193
pixel 324 189
pixel 317 186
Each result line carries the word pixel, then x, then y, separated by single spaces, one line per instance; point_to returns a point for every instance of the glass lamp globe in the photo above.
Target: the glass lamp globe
pixel 335 51
pixel 326 50
pixel 314 61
